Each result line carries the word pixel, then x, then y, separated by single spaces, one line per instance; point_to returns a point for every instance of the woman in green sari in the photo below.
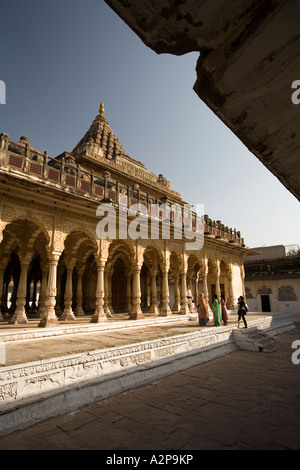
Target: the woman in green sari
pixel 216 311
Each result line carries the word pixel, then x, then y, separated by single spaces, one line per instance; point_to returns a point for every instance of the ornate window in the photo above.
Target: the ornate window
pixel 286 293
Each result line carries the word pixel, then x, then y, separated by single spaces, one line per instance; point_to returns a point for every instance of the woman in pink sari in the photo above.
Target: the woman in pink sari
pixel 224 310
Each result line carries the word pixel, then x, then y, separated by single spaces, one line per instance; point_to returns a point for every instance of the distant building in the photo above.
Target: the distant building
pixel 272 280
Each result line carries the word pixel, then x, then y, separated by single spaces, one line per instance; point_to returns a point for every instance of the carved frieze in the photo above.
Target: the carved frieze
pixel 286 293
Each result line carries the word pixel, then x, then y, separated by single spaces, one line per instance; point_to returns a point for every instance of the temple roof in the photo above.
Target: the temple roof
pixel 101 134
pixel 100 145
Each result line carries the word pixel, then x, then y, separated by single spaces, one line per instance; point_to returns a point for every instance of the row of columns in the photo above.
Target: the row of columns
pixel 102 311
pixel 102 299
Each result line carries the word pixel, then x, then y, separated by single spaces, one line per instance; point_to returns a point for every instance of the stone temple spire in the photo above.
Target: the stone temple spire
pixel 101 134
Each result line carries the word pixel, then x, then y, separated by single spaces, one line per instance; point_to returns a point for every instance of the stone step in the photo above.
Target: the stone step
pixel 254 340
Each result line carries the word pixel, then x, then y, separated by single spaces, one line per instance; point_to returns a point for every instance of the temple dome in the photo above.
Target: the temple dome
pixel 101 134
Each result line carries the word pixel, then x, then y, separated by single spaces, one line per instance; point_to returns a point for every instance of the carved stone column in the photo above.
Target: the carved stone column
pixel 128 292
pixel 148 287
pixel 99 315
pixel 20 316
pixel 217 281
pixel 68 312
pixel 231 303
pixel 196 294
pixel 49 318
pixel 165 308
pixel 107 310
pixel 79 309
pixel 231 300
pixel 58 308
pixel 153 294
pixel 43 293
pixel 136 311
pixel 160 292
pixel 242 271
pixel 34 295
pixel 204 273
pixel 176 307
pixel 144 293
pixel 2 269
pixel 184 305
pixel 111 310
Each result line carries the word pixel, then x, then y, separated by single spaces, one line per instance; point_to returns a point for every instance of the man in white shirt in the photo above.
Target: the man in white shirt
pixel 189 298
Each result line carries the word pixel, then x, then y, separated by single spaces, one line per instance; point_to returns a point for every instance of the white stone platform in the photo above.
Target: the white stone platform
pixel 134 353
pixel 82 325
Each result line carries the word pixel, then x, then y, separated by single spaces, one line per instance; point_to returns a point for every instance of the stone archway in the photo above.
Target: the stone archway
pixel 212 280
pixel 89 285
pixel 175 282
pixel 226 287
pixel 193 276
pixel 9 285
pixel 152 279
pixel 77 276
pixel 23 267
pixel 118 278
pixel 224 279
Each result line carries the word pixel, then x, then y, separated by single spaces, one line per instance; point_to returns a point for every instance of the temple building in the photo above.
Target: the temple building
pixel 55 267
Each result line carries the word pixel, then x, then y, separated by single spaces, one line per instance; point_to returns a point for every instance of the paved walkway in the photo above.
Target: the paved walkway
pixel 246 400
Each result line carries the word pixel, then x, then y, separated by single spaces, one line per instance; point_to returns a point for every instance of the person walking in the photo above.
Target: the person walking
pixel 216 311
pixel 189 298
pixel 203 314
pixel 242 311
pixel 224 311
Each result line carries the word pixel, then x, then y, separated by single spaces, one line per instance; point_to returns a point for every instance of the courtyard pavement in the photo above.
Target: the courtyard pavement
pixel 242 401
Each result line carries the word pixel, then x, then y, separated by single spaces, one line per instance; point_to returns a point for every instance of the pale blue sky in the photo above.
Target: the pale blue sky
pixel 61 58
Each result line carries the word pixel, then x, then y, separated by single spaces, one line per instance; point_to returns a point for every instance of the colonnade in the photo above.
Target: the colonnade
pixel 141 292
pixel 66 284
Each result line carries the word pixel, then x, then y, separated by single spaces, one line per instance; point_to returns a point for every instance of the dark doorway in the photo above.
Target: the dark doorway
pixel 222 289
pixel 265 303
pixel 119 287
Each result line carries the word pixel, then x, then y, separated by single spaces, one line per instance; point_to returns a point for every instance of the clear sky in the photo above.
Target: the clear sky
pixel 61 58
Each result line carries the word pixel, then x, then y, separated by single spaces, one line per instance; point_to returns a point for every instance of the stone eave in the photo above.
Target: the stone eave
pixel 118 173
pixel 56 197
pixel 222 245
pixel 47 193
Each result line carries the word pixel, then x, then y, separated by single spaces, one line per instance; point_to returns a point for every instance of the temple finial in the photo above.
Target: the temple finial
pixel 101 109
